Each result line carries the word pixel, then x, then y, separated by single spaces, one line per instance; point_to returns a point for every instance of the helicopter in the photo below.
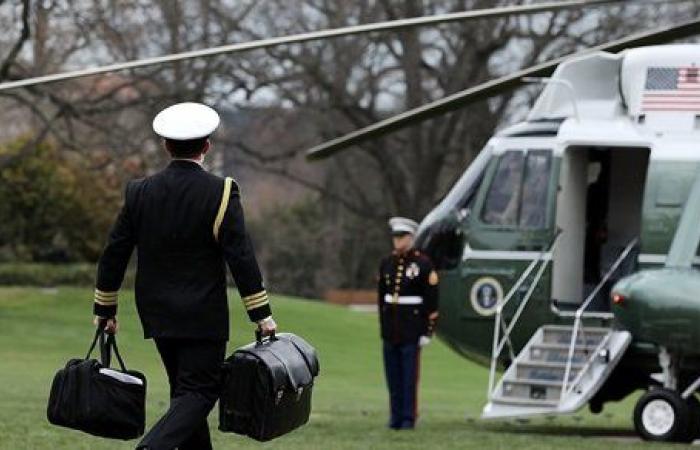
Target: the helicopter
pixel 566 249
pixel 549 246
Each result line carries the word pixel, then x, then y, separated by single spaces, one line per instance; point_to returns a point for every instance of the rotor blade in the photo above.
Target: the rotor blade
pixel 492 87
pixel 324 34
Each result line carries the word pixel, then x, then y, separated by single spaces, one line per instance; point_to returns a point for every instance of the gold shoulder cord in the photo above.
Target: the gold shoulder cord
pixel 222 207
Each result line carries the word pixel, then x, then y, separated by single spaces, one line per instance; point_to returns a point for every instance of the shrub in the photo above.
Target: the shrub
pixel 53 208
pixel 48 275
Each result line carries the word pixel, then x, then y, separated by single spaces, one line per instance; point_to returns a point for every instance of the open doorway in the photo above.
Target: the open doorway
pixel 599 211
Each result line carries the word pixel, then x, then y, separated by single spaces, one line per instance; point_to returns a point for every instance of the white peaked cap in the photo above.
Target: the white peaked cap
pixel 185 121
pixel 403 225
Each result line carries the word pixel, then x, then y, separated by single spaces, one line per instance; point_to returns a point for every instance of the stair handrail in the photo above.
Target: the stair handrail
pixel 499 320
pixel 587 365
pixel 580 314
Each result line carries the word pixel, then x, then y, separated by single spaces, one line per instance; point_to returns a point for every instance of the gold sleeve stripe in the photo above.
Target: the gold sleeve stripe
pixel 106 298
pixel 106 303
pixel 258 304
pixel 256 301
pixel 106 294
pixel 222 207
pixel 256 296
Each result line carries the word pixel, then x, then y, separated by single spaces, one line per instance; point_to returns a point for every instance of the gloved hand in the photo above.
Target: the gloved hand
pixel 423 341
pixel 267 326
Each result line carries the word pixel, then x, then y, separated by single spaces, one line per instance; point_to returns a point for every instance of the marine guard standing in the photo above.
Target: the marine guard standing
pixel 185 223
pixel 408 305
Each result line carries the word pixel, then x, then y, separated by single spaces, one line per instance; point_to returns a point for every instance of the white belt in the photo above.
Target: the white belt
pixel 404 299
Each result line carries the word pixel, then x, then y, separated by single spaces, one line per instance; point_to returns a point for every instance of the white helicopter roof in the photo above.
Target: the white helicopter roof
pixel 586 86
pixel 644 97
pixel 662 79
pixel 657 87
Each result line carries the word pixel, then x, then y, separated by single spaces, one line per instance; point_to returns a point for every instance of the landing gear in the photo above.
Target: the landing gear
pixel 663 415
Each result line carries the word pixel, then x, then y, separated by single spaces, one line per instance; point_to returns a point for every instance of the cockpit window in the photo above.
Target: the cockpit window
pixel 518 193
pixel 535 188
pixel 503 198
pixel 439 235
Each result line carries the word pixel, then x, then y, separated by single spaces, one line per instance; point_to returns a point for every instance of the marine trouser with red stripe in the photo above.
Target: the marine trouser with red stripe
pixel 401 367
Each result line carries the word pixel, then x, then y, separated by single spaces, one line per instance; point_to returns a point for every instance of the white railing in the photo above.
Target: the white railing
pixel 581 313
pixel 499 321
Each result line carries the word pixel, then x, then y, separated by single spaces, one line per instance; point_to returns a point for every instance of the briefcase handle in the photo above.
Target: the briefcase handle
pixel 106 345
pixel 259 340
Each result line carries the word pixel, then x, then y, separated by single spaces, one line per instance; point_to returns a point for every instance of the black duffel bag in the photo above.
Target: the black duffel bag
pixel 267 387
pixel 88 396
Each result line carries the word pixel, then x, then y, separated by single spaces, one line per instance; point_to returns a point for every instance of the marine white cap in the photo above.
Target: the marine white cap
pixel 403 225
pixel 185 121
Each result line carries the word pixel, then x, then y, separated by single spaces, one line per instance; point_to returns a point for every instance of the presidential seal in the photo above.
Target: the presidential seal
pixel 485 295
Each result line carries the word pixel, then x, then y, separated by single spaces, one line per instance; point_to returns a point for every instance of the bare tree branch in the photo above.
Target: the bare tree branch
pixel 23 37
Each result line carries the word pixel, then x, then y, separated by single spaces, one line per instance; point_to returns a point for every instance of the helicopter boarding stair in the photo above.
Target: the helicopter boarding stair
pixel 562 366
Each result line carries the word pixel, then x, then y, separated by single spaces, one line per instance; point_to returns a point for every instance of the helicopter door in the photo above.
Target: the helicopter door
pixel 510 224
pixel 599 212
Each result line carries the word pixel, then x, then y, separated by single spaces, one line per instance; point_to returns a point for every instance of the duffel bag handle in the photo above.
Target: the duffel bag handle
pixel 105 347
pixel 111 344
pixel 259 340
pixel 105 354
pixel 98 333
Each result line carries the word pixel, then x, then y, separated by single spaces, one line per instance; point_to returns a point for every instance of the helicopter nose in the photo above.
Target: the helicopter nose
pixel 660 306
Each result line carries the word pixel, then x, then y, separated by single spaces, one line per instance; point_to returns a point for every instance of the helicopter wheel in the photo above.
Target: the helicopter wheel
pixel 663 415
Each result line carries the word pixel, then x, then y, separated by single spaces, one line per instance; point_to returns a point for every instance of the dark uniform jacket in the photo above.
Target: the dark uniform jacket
pixel 180 278
pixel 407 296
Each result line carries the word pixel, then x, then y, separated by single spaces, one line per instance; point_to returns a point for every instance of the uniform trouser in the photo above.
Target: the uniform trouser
pixel 402 366
pixel 194 374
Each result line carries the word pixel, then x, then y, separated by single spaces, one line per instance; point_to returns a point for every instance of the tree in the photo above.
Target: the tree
pixel 338 85
pixel 296 95
pixel 50 210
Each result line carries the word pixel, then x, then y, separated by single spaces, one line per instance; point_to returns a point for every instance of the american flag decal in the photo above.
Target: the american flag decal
pixel 671 89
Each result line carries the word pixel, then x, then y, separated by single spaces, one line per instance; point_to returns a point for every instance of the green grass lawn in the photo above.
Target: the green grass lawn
pixel 41 329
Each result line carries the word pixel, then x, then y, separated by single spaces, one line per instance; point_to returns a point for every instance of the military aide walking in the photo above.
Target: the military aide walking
pixel 184 222
pixel 408 303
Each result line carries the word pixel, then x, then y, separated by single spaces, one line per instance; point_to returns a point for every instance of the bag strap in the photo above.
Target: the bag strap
pixel 112 343
pixel 228 182
pixel 106 345
pixel 105 357
pixel 98 332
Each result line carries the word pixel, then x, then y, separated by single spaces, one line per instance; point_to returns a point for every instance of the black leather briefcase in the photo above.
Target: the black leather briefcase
pixel 267 387
pixel 88 396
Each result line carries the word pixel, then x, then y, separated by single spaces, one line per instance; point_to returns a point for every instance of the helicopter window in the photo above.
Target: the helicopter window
pixel 670 193
pixel 535 189
pixel 518 193
pixel 501 205
pixel 440 234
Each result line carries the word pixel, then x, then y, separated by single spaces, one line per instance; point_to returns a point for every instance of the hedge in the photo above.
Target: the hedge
pixel 48 275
